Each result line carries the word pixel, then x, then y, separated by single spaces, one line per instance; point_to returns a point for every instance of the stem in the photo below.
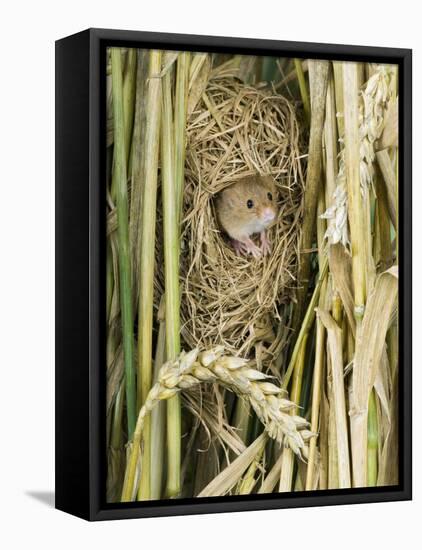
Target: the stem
pixel 128 101
pixel 313 180
pixel 248 481
pixel 116 448
pixel 172 292
pixel 109 281
pixel 334 338
pixel 158 419
pixel 286 477
pixel 120 160
pixel 129 90
pixel 389 176
pixel 339 96
pixel 149 206
pixel 116 426
pixel 320 331
pixel 352 158
pixel 303 89
pixel 316 400
pixel 138 171
pixel 269 69
pixel 242 416
pixel 372 441
pixel 357 223
pixel 307 323
pixel 180 108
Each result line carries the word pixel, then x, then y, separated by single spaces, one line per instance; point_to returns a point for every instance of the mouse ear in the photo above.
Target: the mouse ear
pixel 269 180
pixel 230 202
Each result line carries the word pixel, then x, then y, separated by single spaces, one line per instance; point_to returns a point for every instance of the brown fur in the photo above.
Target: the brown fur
pixel 233 214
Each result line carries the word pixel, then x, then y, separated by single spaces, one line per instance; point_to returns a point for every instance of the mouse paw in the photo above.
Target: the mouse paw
pixel 265 244
pixel 246 247
pixel 251 248
pixel 239 247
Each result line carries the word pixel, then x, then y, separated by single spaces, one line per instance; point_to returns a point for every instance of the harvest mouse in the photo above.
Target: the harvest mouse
pixel 247 207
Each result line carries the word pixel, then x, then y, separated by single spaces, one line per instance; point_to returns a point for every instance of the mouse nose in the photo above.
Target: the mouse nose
pixel 267 215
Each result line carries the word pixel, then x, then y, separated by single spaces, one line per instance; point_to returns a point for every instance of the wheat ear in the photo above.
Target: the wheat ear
pixel 374 100
pixel 193 368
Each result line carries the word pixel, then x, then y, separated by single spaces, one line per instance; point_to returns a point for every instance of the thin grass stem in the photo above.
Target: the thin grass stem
pixel 307 323
pixel 372 441
pixel 303 89
pixel 171 267
pixel 149 208
pixel 120 160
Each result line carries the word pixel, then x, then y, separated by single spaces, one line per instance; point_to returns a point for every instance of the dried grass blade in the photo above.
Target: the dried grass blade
pixel 330 135
pixel 336 354
pixel 388 467
pixel 231 475
pixel 389 176
pixel 340 269
pixel 270 481
pixel 198 81
pixel 369 349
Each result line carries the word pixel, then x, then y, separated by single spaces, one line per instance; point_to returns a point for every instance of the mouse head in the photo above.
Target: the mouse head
pixel 252 200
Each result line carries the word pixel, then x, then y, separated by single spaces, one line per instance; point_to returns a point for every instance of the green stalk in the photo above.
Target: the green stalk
pixel 180 109
pixel 116 439
pixel 128 100
pixel 372 441
pixel 116 448
pixel 109 281
pixel 316 400
pixel 308 374
pixel 129 95
pixel 303 89
pixel 319 360
pixel 269 69
pixel 307 323
pixel 120 160
pixel 138 170
pixel 172 297
pixel 146 294
pixel 287 466
pixel 172 216
pixel 298 373
pixel 158 418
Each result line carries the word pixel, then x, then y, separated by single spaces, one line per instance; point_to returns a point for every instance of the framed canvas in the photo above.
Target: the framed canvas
pixel 232 332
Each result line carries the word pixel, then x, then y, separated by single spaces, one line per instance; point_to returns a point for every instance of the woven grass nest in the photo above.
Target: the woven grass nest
pixel 237 130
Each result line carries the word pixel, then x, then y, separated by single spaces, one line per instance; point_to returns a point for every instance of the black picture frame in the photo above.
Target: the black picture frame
pixel 80 273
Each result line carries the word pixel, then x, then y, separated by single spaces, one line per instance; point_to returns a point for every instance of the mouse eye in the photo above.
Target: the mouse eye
pixel 269 195
pixel 249 204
